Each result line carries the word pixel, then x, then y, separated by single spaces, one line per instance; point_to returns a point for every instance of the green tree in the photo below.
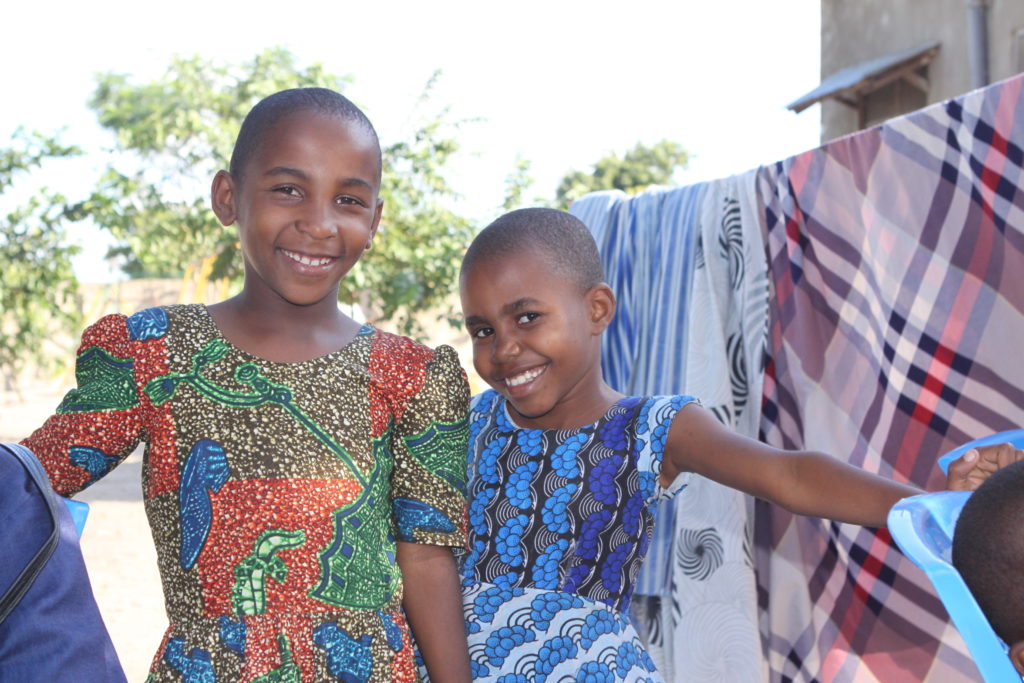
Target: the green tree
pixel 38 288
pixel 172 134
pixel 416 266
pixel 637 170
pixel 516 184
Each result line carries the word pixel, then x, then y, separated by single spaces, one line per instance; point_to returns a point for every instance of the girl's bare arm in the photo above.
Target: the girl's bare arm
pixel 433 606
pixel 803 482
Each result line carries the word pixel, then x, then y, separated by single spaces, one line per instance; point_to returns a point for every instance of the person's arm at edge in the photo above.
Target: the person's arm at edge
pixel 433 605
pixel 803 482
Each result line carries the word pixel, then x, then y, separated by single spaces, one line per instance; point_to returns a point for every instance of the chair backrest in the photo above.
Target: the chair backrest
pixel 1014 436
pixel 922 527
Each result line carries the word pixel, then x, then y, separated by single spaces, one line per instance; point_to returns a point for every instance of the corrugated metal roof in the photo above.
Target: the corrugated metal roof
pixel 852 76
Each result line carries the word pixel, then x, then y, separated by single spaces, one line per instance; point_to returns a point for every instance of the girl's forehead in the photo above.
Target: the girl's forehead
pixel 514 274
pixel 332 129
pixel 510 263
pixel 309 135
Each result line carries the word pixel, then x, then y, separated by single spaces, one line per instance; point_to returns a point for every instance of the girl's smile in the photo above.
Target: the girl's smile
pixel 523 379
pixel 312 261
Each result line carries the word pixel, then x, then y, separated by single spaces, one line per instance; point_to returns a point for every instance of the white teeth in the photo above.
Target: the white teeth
pixel 307 260
pixel 523 378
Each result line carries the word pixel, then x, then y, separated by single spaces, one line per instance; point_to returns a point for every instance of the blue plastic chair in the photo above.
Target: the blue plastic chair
pixel 922 527
pixel 79 512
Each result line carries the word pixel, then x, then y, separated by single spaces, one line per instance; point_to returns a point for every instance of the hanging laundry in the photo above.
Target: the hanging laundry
pixel 896 259
pixel 689 270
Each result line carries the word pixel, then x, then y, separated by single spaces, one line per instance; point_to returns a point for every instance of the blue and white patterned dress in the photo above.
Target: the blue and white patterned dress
pixel 559 522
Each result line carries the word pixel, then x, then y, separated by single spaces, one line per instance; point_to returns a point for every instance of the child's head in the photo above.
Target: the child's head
pixel 269 111
pixel 988 551
pixel 303 187
pixel 561 238
pixel 535 306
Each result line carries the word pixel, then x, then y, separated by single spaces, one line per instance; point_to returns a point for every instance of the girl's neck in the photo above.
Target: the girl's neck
pixel 282 332
pixel 573 411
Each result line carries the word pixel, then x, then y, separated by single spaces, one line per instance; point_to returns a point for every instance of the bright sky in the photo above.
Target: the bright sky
pixel 559 83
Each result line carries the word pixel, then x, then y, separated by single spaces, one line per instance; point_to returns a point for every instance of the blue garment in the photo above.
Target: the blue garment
pixel 560 521
pixel 55 631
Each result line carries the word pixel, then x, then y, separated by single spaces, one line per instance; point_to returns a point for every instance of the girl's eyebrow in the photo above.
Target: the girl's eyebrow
pixel 357 182
pixel 285 170
pixel 519 304
pixel 302 175
pixel 507 309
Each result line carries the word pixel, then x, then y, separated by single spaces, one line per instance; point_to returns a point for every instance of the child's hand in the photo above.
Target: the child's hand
pixel 967 472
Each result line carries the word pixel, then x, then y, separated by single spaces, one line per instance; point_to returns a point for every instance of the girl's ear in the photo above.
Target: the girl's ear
pixel 376 222
pixel 601 305
pixel 222 197
pixel 1017 656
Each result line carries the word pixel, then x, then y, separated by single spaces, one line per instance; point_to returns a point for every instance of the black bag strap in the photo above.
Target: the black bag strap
pixel 12 596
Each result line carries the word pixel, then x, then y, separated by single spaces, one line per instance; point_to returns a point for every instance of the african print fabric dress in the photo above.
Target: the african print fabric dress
pixel 559 522
pixel 275 491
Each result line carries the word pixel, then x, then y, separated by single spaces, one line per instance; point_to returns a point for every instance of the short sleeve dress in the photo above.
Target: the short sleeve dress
pixel 275 491
pixel 559 522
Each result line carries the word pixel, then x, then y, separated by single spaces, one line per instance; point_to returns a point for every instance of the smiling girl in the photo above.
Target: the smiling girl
pixel 303 473
pixel 564 469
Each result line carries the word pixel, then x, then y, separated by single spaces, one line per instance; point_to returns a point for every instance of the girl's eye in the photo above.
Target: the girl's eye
pixel 481 332
pixel 289 190
pixel 527 318
pixel 348 199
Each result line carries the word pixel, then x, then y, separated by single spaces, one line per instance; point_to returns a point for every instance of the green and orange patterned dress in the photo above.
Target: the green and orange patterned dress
pixel 275 491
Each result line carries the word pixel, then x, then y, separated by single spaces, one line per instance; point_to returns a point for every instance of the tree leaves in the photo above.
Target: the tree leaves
pixel 38 287
pixel 637 170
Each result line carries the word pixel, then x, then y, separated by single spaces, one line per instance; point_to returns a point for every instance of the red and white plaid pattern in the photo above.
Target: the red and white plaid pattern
pixel 896 333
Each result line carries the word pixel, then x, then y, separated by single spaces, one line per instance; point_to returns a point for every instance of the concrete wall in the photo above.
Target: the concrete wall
pixel 853 31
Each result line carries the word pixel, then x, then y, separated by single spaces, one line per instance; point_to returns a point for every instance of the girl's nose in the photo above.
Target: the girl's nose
pixel 318 222
pixel 505 348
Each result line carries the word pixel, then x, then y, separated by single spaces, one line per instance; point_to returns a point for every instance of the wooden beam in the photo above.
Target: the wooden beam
pixel 917 80
pixel 901 72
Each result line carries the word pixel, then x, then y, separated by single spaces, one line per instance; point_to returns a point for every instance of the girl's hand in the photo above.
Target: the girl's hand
pixel 967 472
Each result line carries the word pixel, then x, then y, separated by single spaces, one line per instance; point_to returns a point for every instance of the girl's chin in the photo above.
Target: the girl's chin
pixel 525 412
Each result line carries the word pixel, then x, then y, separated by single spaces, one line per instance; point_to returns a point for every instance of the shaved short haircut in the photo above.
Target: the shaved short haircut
pixel 988 550
pixel 557 236
pixel 272 109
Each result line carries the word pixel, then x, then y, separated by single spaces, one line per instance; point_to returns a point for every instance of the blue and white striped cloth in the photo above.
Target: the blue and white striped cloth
pixel 688 267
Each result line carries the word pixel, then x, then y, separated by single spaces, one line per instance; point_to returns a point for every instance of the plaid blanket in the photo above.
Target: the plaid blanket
pixel 897 261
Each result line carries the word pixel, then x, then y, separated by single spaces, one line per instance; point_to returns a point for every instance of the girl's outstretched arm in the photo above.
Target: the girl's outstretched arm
pixel 803 482
pixel 433 606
